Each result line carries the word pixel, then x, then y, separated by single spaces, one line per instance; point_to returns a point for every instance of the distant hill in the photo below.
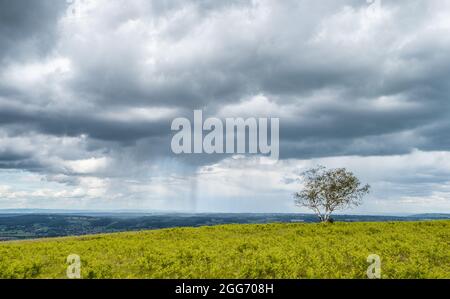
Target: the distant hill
pixel 45 224
pixel 432 216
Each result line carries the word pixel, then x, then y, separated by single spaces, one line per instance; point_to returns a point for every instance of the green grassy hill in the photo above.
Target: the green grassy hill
pixel 407 250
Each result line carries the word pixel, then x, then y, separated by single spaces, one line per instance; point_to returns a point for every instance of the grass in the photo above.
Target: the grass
pixel 340 250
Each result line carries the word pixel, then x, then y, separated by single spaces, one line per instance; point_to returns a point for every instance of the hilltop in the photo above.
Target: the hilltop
pixel 34 224
pixel 340 250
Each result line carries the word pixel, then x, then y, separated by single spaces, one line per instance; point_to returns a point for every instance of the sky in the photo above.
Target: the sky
pixel 89 89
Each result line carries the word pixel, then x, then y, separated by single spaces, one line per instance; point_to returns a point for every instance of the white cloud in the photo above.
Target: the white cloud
pixel 87 166
pixel 139 114
pixel 256 106
pixel 36 74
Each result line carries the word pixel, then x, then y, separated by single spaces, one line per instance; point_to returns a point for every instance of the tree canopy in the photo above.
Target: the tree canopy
pixel 329 190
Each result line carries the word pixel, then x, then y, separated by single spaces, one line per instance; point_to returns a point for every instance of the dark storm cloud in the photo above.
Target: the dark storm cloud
pixel 65 123
pixel 27 28
pixel 11 156
pixel 25 164
pixel 384 73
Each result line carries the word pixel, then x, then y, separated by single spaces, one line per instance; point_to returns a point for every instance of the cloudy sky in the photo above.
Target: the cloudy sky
pixel 88 91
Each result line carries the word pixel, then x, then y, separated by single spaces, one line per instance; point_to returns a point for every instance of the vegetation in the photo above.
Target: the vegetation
pixel 407 250
pixel 326 191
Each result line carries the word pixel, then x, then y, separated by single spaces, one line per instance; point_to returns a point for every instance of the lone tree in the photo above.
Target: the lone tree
pixel 330 190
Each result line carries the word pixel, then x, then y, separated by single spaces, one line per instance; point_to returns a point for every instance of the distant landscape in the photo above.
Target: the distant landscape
pixel 34 224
